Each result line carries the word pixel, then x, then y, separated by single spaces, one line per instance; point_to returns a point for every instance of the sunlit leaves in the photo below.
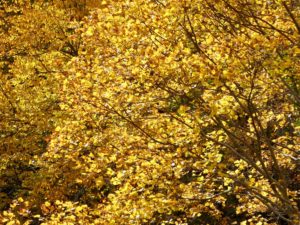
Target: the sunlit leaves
pixel 167 112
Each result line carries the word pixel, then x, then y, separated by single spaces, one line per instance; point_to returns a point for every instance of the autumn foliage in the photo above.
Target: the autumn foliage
pixel 149 112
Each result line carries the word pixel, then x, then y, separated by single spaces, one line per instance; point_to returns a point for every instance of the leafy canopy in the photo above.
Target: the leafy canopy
pixel 170 112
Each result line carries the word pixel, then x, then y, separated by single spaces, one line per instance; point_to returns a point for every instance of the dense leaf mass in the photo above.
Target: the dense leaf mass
pixel 149 112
